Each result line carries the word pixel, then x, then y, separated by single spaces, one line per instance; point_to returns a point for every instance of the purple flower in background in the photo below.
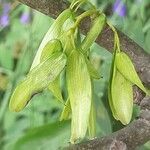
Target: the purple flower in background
pixel 119 8
pixel 4 20
pixel 25 18
pixel 4 17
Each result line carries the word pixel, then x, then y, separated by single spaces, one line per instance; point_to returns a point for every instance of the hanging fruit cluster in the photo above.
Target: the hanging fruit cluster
pixel 63 48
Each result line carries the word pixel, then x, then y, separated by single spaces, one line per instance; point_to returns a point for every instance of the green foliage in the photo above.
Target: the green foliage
pixel 36 126
pixel 50 136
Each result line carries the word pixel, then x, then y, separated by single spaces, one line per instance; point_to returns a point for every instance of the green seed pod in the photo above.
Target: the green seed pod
pixel 50 48
pixel 54 32
pixel 119 88
pixel 37 80
pixel 126 68
pixel 21 95
pixel 79 90
pixel 97 27
pixel 122 98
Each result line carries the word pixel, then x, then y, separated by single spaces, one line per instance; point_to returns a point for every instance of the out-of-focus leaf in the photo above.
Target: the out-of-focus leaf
pixel 133 28
pixel 92 71
pixel 47 137
pixel 6 59
pixel 103 122
pixel 4 80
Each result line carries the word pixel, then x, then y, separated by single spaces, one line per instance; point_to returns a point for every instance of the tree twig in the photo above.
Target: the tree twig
pixel 138 132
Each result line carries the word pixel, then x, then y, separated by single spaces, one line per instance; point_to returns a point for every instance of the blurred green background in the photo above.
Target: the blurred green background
pixel 37 127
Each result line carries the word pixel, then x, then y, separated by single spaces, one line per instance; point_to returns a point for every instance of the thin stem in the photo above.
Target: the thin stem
pixel 116 37
pixel 79 3
pixel 74 2
pixel 82 16
pixel 5 101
